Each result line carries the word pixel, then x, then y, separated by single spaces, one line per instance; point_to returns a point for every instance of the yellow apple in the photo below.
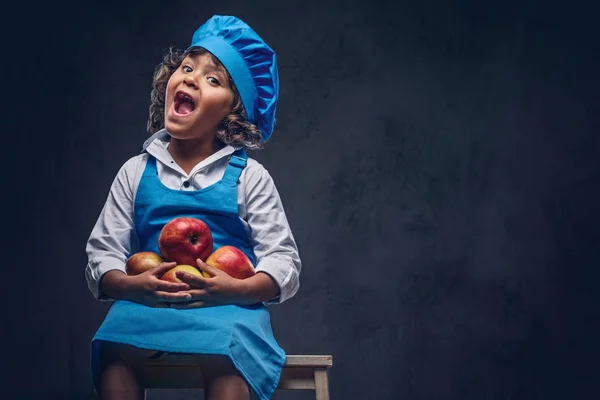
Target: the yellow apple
pixel 142 262
pixel 171 276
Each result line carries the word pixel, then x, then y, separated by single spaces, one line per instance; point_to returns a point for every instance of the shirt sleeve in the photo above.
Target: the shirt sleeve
pixel 113 235
pixel 274 245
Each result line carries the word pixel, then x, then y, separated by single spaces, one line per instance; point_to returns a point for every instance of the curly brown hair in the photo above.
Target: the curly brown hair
pixel 234 130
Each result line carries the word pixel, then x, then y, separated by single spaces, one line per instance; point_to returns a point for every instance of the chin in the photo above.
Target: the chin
pixel 174 132
pixel 178 131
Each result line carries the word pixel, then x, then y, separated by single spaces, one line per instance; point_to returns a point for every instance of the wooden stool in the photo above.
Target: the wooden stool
pixel 178 371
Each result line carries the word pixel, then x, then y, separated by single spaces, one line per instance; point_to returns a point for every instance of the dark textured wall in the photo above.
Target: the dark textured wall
pixel 437 161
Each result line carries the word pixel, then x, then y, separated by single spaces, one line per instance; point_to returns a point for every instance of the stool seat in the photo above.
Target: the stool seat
pixel 179 371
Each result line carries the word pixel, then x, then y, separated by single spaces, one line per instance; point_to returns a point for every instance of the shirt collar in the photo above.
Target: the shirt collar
pixel 161 135
pixel 157 146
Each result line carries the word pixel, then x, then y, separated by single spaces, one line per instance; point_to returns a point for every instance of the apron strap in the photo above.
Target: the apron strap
pixel 150 169
pixel 237 163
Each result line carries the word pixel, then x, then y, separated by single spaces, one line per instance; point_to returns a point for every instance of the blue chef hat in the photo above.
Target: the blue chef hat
pixel 250 62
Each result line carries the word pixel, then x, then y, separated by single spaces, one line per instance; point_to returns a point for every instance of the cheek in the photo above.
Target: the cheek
pixel 169 86
pixel 171 83
pixel 228 106
pixel 220 102
pixel 228 102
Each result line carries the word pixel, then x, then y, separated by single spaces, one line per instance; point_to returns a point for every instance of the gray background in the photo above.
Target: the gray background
pixel 437 161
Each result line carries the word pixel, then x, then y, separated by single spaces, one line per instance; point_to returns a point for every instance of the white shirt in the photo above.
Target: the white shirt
pixel 260 209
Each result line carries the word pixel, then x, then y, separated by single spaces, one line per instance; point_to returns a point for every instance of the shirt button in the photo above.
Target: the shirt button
pixel 186 184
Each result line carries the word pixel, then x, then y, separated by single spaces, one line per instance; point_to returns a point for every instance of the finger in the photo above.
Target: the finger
pixel 162 268
pixel 193 280
pixel 171 286
pixel 198 294
pixel 173 297
pixel 208 269
pixel 183 306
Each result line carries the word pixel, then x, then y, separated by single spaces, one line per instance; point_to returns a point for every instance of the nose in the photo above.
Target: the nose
pixel 191 80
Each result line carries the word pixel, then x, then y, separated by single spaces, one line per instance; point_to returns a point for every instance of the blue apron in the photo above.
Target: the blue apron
pixel 242 333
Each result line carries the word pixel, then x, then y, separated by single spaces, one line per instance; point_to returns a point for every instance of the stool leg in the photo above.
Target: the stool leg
pixel 321 384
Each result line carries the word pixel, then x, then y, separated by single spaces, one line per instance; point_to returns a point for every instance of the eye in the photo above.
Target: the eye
pixel 187 68
pixel 213 80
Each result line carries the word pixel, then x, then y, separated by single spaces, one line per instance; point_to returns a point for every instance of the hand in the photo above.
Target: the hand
pixel 147 288
pixel 219 289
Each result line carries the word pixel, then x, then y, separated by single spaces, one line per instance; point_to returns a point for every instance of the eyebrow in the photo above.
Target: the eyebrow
pixel 211 66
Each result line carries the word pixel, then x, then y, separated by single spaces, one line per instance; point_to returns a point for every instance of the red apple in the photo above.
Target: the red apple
pixel 231 260
pixel 184 240
pixel 171 276
pixel 142 262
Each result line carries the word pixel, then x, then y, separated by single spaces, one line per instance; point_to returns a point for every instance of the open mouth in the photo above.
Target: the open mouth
pixel 184 104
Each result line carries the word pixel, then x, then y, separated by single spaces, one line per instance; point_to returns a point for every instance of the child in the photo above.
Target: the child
pixel 209 103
